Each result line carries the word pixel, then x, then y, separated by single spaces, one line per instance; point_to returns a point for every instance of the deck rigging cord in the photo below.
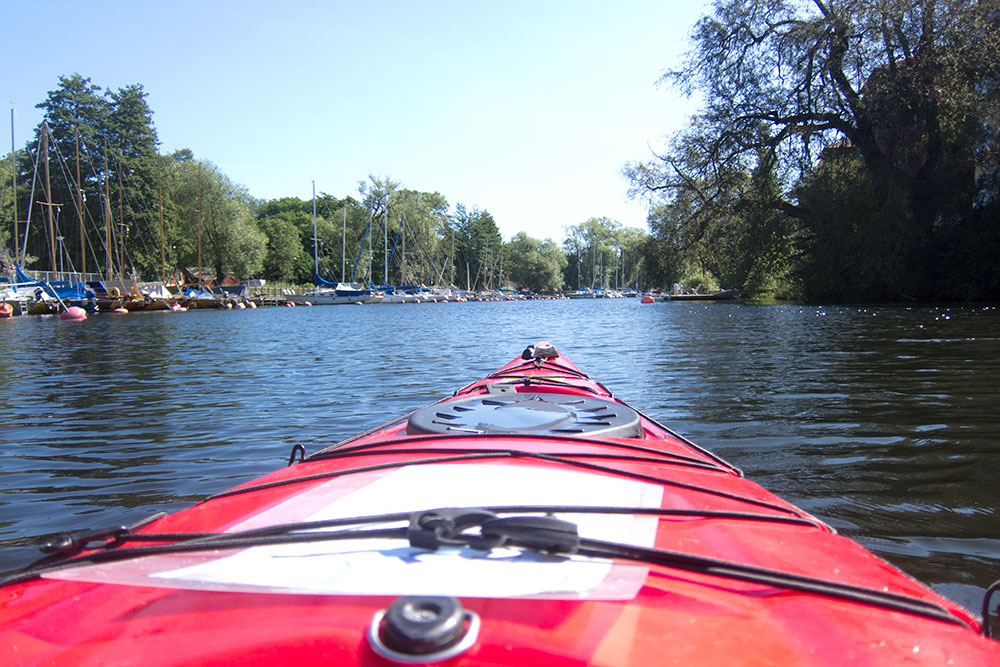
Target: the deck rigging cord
pixel 479 454
pixel 661 456
pixel 449 527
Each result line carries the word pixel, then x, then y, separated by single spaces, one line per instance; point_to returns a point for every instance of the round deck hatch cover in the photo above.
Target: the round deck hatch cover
pixel 531 413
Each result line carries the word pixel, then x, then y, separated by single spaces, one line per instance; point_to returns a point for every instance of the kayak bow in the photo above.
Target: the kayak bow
pixel 530 518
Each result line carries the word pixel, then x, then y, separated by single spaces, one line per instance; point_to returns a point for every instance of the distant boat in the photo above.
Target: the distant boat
pixel 52 296
pixel 328 293
pixel 201 298
pixel 334 294
pixel 720 295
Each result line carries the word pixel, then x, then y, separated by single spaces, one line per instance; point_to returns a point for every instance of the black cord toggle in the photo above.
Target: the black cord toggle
pixel 545 533
pixel 72 543
pixel 447 527
pixel 443 527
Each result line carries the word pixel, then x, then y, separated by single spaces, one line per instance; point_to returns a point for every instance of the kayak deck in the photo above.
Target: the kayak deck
pixel 572 528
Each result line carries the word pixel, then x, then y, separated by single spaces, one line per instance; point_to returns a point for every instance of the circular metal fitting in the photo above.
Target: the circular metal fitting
pixel 421 629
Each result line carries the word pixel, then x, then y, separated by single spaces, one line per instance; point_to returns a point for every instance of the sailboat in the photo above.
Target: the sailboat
pixel 401 293
pixel 326 293
pixel 56 295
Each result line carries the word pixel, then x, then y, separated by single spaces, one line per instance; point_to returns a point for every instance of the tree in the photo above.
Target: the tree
pixel 593 249
pixel 205 204
pixel 286 257
pixel 376 196
pixel 75 115
pixel 102 150
pixel 536 265
pixel 7 206
pixel 898 82
pixel 425 215
pixel 131 140
pixel 234 243
pixel 477 245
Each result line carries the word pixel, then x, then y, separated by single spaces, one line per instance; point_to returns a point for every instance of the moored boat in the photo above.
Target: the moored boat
pixel 338 294
pixel 201 297
pixel 718 295
pixel 531 518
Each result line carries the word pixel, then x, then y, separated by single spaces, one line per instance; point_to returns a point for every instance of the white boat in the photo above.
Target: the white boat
pixel 340 294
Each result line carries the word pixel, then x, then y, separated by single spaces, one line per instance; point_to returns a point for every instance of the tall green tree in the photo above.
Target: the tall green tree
pixel 234 243
pixel 536 265
pixel 110 141
pixel 132 141
pixel 7 217
pixel 76 116
pixel 376 197
pixel 423 216
pixel 206 205
pixel 286 259
pixel 593 249
pixel 477 247
pixel 900 83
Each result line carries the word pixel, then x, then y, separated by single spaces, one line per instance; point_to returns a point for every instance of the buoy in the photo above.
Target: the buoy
pixel 289 304
pixel 73 313
pixel 251 305
pixel 119 309
pixel 6 310
pixel 307 303
pixel 241 305
pixel 358 303
pixel 647 299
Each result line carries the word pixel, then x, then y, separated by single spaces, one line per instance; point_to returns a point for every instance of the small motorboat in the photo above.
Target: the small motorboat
pixel 531 518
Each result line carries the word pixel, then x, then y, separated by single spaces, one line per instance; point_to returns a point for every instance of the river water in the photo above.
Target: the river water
pixel 885 421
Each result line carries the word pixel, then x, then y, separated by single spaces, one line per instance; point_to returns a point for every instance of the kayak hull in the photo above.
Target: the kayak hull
pixel 315 603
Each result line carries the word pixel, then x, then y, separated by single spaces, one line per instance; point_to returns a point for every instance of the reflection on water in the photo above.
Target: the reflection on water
pixel 883 421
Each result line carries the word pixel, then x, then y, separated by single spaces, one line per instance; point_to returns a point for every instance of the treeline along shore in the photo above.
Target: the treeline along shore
pixel 842 152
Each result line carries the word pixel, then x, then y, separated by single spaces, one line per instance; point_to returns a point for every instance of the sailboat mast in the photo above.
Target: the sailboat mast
pixel 48 201
pixel 13 183
pixel 402 232
pixel 163 252
pixel 108 266
pixel 343 247
pixel 79 209
pixel 315 240
pixel 121 226
pixel 199 226
pixel 385 243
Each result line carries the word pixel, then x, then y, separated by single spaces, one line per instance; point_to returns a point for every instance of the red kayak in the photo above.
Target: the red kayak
pixel 529 519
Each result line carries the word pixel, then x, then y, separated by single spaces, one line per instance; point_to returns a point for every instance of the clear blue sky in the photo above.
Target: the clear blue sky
pixel 525 109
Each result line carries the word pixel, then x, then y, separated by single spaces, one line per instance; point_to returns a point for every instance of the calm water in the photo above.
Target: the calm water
pixel 885 422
